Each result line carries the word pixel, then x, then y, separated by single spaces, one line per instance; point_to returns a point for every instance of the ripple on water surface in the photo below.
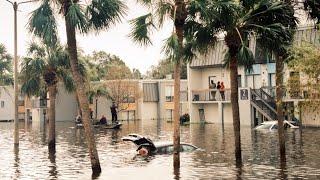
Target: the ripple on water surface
pixel 214 160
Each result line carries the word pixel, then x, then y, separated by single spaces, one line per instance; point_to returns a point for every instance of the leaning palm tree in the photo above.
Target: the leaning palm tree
pixel 6 77
pixel 41 72
pixel 267 20
pixel 81 16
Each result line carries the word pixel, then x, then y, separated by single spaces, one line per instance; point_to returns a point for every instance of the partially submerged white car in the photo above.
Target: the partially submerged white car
pixel 273 125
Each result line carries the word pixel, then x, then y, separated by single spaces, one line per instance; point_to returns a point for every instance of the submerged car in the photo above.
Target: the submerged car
pixel 156 148
pixel 273 125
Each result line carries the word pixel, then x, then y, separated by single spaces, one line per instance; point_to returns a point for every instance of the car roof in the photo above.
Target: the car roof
pixel 269 122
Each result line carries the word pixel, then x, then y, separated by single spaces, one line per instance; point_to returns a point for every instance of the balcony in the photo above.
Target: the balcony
pixel 210 96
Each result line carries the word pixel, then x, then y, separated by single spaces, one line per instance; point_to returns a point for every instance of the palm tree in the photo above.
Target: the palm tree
pixel 41 72
pixel 96 91
pixel 313 9
pixel 269 21
pixel 177 12
pixel 82 16
pixel 6 77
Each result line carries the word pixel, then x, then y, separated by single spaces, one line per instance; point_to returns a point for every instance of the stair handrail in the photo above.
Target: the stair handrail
pixel 268 95
pixel 267 104
pixel 272 115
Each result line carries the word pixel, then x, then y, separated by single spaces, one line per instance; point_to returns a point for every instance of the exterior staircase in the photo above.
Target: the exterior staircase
pixel 264 103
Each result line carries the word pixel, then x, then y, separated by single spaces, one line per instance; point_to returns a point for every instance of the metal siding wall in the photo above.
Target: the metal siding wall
pixel 150 92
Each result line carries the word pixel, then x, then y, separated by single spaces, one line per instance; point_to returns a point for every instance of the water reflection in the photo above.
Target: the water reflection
pixel 53 166
pixel 214 160
pixel 16 161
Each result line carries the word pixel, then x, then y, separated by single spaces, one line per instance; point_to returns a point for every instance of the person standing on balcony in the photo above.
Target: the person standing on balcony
pixel 221 90
pixel 218 86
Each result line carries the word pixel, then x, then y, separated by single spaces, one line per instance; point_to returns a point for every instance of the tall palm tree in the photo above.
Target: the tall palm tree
pixel 81 16
pixel 6 77
pixel 269 21
pixel 41 72
pixel 176 11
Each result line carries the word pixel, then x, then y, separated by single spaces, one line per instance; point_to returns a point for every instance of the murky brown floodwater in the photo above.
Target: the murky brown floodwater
pixel 215 160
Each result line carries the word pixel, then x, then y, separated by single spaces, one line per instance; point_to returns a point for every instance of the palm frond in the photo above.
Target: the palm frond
pixel 65 76
pixel 171 48
pixel 142 27
pixel 42 23
pixel 147 3
pixel 164 10
pixel 245 57
pixel 77 18
pixel 313 9
pixel 103 13
pixel 36 50
pixel 31 87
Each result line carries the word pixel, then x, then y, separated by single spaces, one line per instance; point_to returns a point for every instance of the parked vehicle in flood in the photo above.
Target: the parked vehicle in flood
pixel 273 125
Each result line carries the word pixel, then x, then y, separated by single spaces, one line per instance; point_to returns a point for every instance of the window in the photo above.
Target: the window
pixel 239 81
pixel 2 104
pixel 169 91
pixel 168 113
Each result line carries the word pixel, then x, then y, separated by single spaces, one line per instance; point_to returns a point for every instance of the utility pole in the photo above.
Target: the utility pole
pixel 15 75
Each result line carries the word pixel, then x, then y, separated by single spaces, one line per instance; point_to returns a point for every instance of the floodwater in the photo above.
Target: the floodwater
pixel 118 159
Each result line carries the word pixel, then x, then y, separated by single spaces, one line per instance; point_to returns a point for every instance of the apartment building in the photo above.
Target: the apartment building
pixel 256 87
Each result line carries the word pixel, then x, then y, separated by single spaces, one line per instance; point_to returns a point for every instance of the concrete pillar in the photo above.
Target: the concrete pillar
pixel 220 111
pixel 190 106
pixel 160 102
pixel 297 110
pixel 139 101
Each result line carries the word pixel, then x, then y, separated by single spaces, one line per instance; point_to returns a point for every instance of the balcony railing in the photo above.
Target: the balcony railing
pixel 210 95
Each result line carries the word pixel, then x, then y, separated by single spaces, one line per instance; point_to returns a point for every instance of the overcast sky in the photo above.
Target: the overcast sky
pixel 114 41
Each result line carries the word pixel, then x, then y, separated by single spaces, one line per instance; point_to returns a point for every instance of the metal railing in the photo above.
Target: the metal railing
pixel 211 95
pixel 266 108
pixel 266 97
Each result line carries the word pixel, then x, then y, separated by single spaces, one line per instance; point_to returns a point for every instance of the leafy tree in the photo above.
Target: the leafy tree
pixel 103 66
pixel 136 74
pixel 164 68
pixel 305 59
pixel 81 16
pixel 6 77
pixel 267 20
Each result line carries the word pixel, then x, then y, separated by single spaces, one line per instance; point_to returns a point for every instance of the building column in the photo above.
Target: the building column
pixel 220 111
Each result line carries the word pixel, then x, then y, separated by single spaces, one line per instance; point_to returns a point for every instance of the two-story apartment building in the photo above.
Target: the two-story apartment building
pixel 138 99
pixel 152 99
pixel 256 87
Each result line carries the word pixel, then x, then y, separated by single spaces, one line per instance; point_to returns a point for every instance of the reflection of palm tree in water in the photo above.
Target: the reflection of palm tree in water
pixel 17 162
pixel 53 167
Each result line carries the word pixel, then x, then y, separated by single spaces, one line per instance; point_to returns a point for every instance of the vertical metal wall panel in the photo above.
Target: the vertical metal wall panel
pixel 150 92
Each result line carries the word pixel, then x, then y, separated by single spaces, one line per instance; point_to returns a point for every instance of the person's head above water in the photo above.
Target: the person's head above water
pixel 143 151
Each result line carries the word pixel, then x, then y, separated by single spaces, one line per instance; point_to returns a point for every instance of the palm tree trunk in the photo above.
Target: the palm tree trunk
pixel 279 95
pixel 235 108
pixel 52 118
pixel 176 115
pixel 83 100
pixel 180 17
